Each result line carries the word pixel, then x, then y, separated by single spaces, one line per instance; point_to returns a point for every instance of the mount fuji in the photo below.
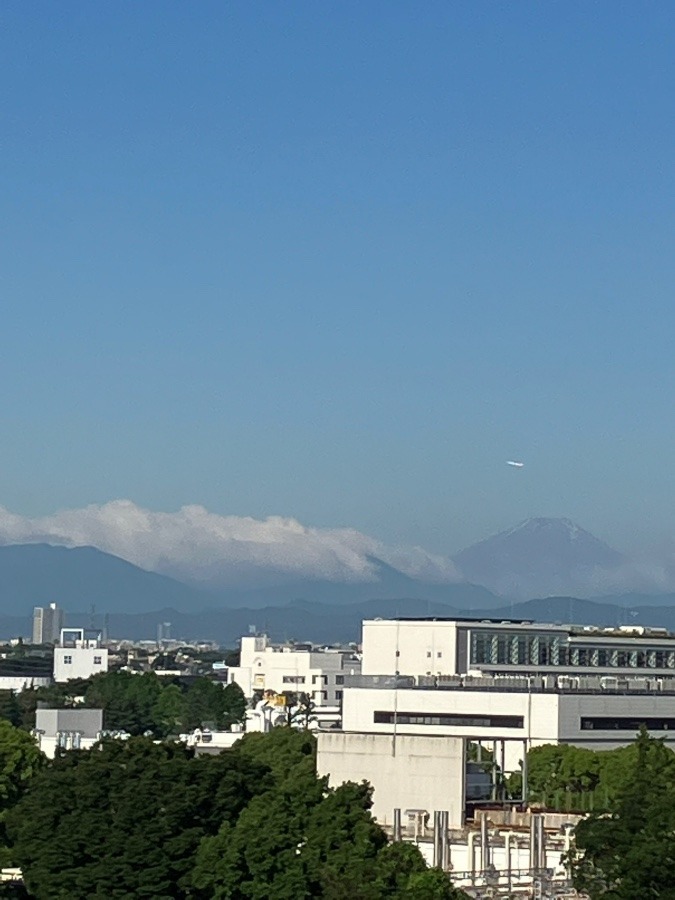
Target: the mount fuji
pixel 542 557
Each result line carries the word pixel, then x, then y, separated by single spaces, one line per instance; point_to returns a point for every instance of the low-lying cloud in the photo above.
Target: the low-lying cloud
pixel 197 545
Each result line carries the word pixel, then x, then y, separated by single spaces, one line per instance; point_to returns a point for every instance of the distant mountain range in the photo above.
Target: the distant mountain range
pixel 540 558
pixel 326 623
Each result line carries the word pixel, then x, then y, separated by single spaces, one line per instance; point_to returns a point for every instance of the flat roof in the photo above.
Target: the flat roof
pixel 496 621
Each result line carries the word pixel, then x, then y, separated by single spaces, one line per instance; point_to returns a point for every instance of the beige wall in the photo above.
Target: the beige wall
pixel 406 771
pixel 423 647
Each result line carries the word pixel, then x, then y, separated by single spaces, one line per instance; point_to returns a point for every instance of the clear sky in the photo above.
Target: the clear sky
pixel 341 261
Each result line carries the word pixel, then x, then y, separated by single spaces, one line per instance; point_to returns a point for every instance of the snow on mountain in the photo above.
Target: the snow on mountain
pixel 542 557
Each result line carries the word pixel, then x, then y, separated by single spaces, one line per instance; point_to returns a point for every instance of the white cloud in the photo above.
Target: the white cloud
pixel 196 544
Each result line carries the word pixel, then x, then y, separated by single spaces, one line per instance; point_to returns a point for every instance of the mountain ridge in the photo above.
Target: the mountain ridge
pixel 540 556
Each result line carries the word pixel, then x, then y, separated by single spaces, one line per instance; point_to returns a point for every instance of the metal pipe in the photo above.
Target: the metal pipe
pixel 533 843
pixel 484 844
pixel 445 841
pixel 471 847
pixel 524 792
pixel 397 824
pixel 507 856
pixel 541 841
pixel 437 839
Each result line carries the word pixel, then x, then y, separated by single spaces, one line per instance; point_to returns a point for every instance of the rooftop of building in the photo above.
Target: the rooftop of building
pixel 622 631
pixel 528 684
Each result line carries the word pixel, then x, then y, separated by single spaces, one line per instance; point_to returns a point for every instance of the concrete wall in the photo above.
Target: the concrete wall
pixel 539 713
pixel 84 662
pixel 89 722
pixel 407 771
pixel 410 648
pixel 575 706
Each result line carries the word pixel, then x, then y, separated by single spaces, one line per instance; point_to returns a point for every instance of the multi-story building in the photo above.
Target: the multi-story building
pixel 47 624
pixel 294 668
pixel 506 685
pixel 442 647
pixel 80 655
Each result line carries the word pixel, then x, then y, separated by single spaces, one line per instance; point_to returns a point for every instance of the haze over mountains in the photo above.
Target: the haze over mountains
pixel 206 569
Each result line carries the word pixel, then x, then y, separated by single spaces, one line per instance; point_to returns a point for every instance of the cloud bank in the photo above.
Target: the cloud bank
pixel 199 546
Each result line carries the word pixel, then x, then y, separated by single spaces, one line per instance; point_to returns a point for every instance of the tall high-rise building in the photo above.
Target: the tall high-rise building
pixel 47 624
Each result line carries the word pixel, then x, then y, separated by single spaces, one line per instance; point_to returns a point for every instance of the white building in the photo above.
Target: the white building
pixel 508 685
pixel 296 668
pixel 79 656
pixel 47 624
pixel 70 729
pixel 439 647
pixel 524 712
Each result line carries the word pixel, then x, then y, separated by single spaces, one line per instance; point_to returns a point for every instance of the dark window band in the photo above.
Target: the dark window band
pixel 609 723
pixel 417 718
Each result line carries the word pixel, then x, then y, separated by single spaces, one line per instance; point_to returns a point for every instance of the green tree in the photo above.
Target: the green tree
pixel 169 714
pixel 286 751
pixel 128 701
pixel 628 852
pixel 20 762
pixel 234 705
pixel 10 709
pixel 125 820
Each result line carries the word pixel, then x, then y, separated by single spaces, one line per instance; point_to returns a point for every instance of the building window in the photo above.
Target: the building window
pixel 439 654
pixel 98 660
pixel 293 679
pixel 339 679
pixel 338 695
pixel 457 719
pixel 68 660
pixel 428 654
pixel 633 724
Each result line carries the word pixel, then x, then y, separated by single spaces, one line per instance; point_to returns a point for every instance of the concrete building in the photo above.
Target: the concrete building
pixel 440 647
pixel 47 624
pixel 70 729
pixel 593 712
pixel 80 655
pixel 411 773
pixel 301 668
pixel 508 685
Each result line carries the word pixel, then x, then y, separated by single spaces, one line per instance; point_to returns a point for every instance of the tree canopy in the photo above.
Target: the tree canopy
pixel 628 851
pixel 126 818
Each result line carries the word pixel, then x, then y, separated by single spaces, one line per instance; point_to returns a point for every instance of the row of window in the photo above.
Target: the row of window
pixel 68 660
pixel 323 695
pixel 381 717
pixel 316 679
pixel 586 723
pixel 608 723
pixel 508 648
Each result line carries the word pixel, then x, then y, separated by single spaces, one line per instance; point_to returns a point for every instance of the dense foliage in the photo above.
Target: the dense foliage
pixel 628 851
pixel 138 703
pixel 568 778
pixel 126 819
pixel 142 818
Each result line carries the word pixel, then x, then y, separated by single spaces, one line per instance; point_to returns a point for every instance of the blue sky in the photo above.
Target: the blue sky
pixel 340 261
